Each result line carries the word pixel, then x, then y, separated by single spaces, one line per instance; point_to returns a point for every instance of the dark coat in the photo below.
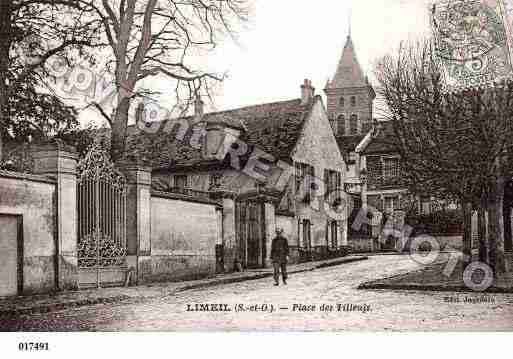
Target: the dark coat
pixel 279 249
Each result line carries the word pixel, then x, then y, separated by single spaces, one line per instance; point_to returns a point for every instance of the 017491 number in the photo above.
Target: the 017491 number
pixel 32 346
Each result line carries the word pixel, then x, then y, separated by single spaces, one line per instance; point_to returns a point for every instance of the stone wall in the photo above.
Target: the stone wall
pixel 318 148
pixel 33 198
pixel 183 239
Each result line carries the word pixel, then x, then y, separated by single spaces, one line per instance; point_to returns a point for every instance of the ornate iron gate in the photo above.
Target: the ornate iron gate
pixel 101 192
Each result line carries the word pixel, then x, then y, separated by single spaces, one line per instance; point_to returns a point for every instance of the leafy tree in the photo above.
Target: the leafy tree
pixel 35 115
pixel 31 33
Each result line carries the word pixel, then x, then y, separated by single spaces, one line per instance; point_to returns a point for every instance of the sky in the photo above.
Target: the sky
pixel 291 40
pixel 287 41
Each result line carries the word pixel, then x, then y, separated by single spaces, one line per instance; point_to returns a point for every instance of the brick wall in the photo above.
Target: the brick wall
pixel 362 108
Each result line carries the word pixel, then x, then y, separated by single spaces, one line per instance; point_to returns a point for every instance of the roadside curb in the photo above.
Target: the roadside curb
pixel 349 260
pixel 431 288
pixel 51 307
pixel 5 314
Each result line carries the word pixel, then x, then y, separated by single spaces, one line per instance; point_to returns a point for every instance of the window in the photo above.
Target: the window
pixel 181 181
pixel 304 179
pixel 307 235
pixel 425 205
pixel 332 181
pixel 353 101
pixel 334 234
pixel 391 204
pixel 215 181
pixel 341 102
pixel 353 124
pixel 366 126
pixel 341 125
pixel 390 168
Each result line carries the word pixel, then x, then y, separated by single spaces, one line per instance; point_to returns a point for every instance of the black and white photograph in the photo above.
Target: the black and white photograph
pixel 251 166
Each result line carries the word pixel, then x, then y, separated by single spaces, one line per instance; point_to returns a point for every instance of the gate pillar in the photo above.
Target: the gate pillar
pixel 59 161
pixel 267 197
pixel 270 229
pixel 229 233
pixel 138 209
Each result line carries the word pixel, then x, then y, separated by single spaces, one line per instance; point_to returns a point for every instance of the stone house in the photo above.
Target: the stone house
pixel 270 165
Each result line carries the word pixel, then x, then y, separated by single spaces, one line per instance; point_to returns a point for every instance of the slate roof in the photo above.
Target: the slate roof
pixel 383 141
pixel 348 144
pixel 349 72
pixel 272 127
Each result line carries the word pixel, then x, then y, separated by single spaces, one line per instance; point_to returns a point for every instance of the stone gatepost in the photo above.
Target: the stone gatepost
pixel 270 228
pixel 229 229
pixel 268 198
pixel 59 161
pixel 138 206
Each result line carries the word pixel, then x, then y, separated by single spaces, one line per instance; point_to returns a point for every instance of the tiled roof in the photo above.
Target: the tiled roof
pixel 272 127
pixel 347 144
pixel 349 72
pixel 383 141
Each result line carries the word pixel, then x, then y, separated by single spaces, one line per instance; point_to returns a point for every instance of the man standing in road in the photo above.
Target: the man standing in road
pixel 279 256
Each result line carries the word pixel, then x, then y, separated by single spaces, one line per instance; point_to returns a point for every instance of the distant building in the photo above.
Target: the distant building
pixel 373 174
pixel 296 132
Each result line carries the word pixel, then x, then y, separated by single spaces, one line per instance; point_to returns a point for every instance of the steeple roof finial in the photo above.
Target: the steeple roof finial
pixel 349 21
pixel 349 73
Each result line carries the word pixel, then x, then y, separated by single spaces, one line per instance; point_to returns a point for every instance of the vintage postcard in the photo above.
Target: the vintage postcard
pixel 255 166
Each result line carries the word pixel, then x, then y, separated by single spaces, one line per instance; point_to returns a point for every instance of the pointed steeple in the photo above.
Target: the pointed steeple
pixel 349 72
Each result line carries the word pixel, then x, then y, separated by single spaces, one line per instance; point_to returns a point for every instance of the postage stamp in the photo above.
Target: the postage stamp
pixel 473 41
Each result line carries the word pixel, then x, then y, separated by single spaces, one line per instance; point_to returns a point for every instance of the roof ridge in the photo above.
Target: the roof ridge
pixel 244 108
pixel 281 102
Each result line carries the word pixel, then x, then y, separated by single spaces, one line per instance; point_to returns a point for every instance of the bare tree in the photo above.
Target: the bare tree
pixel 457 144
pixel 161 38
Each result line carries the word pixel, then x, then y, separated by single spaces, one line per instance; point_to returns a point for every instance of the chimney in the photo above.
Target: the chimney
pixel 198 109
pixel 307 92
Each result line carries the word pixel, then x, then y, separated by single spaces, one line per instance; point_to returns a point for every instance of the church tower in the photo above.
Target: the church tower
pixel 350 96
